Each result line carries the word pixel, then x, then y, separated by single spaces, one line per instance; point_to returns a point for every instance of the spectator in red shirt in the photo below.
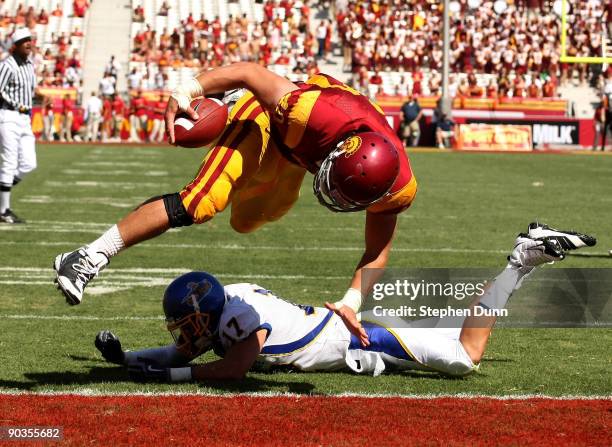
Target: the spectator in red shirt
pixel 79 7
pixel 138 117
pixel 118 107
pixel 138 15
pixel 107 119
pixel 533 91
pixel 157 108
pixel 549 89
pixel 67 118
pixel 475 91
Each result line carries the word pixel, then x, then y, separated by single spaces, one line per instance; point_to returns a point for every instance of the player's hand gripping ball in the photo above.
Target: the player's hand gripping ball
pixel 212 117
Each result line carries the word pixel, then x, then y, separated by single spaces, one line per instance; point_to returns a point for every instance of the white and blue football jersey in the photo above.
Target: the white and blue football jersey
pixel 314 338
pixel 306 337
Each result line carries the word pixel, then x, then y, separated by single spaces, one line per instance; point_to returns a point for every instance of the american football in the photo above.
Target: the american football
pixel 212 116
pixel 389 228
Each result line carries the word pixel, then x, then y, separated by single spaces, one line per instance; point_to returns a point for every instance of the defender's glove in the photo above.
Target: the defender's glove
pixel 148 371
pixel 110 347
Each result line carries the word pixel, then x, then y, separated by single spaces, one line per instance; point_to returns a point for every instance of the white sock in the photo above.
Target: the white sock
pixel 504 284
pixel 110 243
pixel 5 201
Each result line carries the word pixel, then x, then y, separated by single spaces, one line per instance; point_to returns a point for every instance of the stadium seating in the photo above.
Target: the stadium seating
pixel 406 36
pixel 177 68
pixel 65 27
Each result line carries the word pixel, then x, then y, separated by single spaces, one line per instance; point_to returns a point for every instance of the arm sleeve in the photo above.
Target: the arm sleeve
pixel 165 356
pixel 5 76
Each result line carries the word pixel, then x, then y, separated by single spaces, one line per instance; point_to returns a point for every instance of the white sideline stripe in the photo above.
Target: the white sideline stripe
pixel 272 394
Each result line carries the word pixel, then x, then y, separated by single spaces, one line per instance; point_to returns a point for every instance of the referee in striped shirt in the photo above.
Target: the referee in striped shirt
pixel 17 143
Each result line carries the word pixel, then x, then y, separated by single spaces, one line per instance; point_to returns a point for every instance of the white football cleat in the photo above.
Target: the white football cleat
pixel 569 240
pixel 530 253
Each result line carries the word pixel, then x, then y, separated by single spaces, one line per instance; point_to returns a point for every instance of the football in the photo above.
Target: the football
pixel 212 117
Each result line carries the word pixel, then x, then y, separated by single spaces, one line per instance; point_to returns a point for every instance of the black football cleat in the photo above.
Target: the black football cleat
pixel 8 217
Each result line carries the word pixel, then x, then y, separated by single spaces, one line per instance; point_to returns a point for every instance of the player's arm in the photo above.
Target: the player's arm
pixel 110 347
pixel 237 361
pixel 379 231
pixel 234 366
pixel 268 88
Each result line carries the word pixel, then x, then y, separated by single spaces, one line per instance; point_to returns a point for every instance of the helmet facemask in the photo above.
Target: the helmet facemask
pixel 192 334
pixel 343 187
pixel 326 192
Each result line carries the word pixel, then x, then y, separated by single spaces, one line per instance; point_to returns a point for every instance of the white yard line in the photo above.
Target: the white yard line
pixel 98 172
pixel 237 246
pixel 95 184
pixel 271 394
pixel 76 318
pixel 137 164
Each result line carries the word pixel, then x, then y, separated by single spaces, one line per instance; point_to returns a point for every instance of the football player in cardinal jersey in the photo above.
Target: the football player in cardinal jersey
pixel 246 324
pixel 276 132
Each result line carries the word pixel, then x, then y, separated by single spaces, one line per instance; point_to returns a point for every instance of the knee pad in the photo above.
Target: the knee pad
pixel 177 214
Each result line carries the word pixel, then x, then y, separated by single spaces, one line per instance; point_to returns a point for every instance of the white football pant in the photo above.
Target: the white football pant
pixel 17 146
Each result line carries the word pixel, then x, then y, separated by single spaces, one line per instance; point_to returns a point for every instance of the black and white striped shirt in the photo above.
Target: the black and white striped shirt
pixel 17 83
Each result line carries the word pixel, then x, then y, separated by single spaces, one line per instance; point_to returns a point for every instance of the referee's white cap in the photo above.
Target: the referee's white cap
pixel 21 34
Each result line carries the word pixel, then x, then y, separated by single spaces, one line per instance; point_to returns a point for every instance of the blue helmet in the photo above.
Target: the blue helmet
pixel 193 303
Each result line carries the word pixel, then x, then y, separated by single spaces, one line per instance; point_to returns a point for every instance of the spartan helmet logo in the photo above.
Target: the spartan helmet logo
pixel 197 291
pixel 350 145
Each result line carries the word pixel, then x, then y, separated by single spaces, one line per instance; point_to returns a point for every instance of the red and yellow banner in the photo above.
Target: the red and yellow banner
pixel 493 137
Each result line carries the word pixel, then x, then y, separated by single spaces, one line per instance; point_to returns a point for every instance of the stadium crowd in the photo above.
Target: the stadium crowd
pixel 520 42
pixel 57 55
pixel 282 38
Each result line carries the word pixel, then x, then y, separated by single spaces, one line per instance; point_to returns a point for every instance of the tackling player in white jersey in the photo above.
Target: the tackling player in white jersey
pixel 246 324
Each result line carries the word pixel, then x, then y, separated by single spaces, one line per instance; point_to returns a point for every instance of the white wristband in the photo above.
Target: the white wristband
pixel 352 298
pixel 180 374
pixel 184 93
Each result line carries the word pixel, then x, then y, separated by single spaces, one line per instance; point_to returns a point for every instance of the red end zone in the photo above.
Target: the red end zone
pixel 295 420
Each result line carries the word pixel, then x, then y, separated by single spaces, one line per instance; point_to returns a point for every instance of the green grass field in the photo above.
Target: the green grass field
pixel 467 213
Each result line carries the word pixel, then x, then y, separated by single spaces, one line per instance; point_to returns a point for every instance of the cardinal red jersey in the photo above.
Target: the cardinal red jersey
pixel 309 123
pixel 158 108
pixel 118 106
pixel 139 106
pixel 107 109
pixel 67 105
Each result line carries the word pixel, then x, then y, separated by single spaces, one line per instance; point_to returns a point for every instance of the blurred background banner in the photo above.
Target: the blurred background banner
pixel 493 137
